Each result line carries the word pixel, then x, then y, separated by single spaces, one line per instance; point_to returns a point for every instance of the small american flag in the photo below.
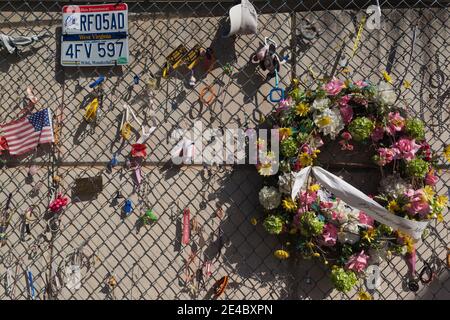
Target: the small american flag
pixel 27 133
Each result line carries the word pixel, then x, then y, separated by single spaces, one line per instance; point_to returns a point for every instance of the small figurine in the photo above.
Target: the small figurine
pixel 267 58
pixel 149 217
pixel 128 207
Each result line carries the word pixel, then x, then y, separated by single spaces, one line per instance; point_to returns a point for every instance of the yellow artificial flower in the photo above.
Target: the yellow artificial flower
pixel 316 254
pixel 447 153
pixel 302 109
pixel 324 121
pixel 440 217
pixel 407 241
pixel 305 159
pixel 387 77
pixel 369 235
pixel 314 188
pixel 393 206
pixel 281 254
pixel 265 169
pixel 363 295
pixel 289 205
pixel 284 133
pixel 254 221
pixel 441 201
pixel 429 193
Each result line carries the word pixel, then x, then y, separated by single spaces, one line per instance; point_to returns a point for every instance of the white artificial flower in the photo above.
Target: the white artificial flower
pixel 329 122
pixel 386 93
pixel 349 234
pixel 394 186
pixel 320 104
pixel 269 197
pixel 286 182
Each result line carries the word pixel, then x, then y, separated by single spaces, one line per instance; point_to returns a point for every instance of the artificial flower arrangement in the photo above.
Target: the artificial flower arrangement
pixel 320 225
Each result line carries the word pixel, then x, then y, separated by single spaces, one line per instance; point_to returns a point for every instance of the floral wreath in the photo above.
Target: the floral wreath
pixel 317 223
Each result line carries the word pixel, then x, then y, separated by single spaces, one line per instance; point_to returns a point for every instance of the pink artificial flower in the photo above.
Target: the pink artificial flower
pixel 365 219
pixel 334 87
pixel 306 148
pixel 386 155
pixel 325 205
pixel 345 100
pixel 284 104
pixel 431 179
pixel 396 123
pixel 345 145
pixel 346 135
pixel 426 149
pixel 307 198
pixel 346 113
pixel 338 216
pixel 360 83
pixel 297 166
pixel 377 133
pixel 407 148
pixel 357 262
pixel 418 203
pixel 329 235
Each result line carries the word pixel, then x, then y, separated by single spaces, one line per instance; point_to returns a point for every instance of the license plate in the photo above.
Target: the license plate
pixel 95 35
pixel 94 50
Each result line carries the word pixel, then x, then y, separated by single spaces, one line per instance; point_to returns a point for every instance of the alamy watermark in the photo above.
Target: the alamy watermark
pixel 200 145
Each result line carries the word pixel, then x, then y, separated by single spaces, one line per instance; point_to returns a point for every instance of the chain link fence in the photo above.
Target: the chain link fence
pixel 149 262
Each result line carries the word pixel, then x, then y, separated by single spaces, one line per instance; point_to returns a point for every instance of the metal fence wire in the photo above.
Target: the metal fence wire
pixel 150 262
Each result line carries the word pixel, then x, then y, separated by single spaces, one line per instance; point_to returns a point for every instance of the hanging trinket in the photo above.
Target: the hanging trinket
pixel 308 30
pixel 125 125
pixel 5 220
pixel 173 59
pixel 91 110
pixel 136 80
pixel 58 204
pixel 128 207
pixel 31 284
pixel 207 269
pixel 111 282
pixel 220 286
pixel 32 170
pixel 267 58
pixel 56 180
pixel 186 226
pixel 192 79
pixel 113 162
pixel 151 82
pixel 149 217
pixel 97 82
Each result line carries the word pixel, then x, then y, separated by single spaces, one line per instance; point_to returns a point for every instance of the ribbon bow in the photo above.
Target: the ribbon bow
pixel 358 200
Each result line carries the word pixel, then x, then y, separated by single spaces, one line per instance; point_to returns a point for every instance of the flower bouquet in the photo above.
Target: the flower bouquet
pixel 319 224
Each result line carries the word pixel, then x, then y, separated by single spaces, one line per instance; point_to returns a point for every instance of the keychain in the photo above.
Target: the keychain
pixel 276 90
pixel 125 125
pixel 5 220
pixel 128 207
pixel 220 286
pixel 267 58
pixel 148 217
pixel 186 226
pixel 31 287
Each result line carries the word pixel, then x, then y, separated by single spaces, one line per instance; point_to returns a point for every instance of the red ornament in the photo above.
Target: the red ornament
pixel 59 203
pixel 139 150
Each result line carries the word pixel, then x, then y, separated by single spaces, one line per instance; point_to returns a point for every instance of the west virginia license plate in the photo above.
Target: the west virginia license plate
pixel 95 35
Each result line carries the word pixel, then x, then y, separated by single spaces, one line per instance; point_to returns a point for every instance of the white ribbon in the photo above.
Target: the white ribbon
pixel 358 200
